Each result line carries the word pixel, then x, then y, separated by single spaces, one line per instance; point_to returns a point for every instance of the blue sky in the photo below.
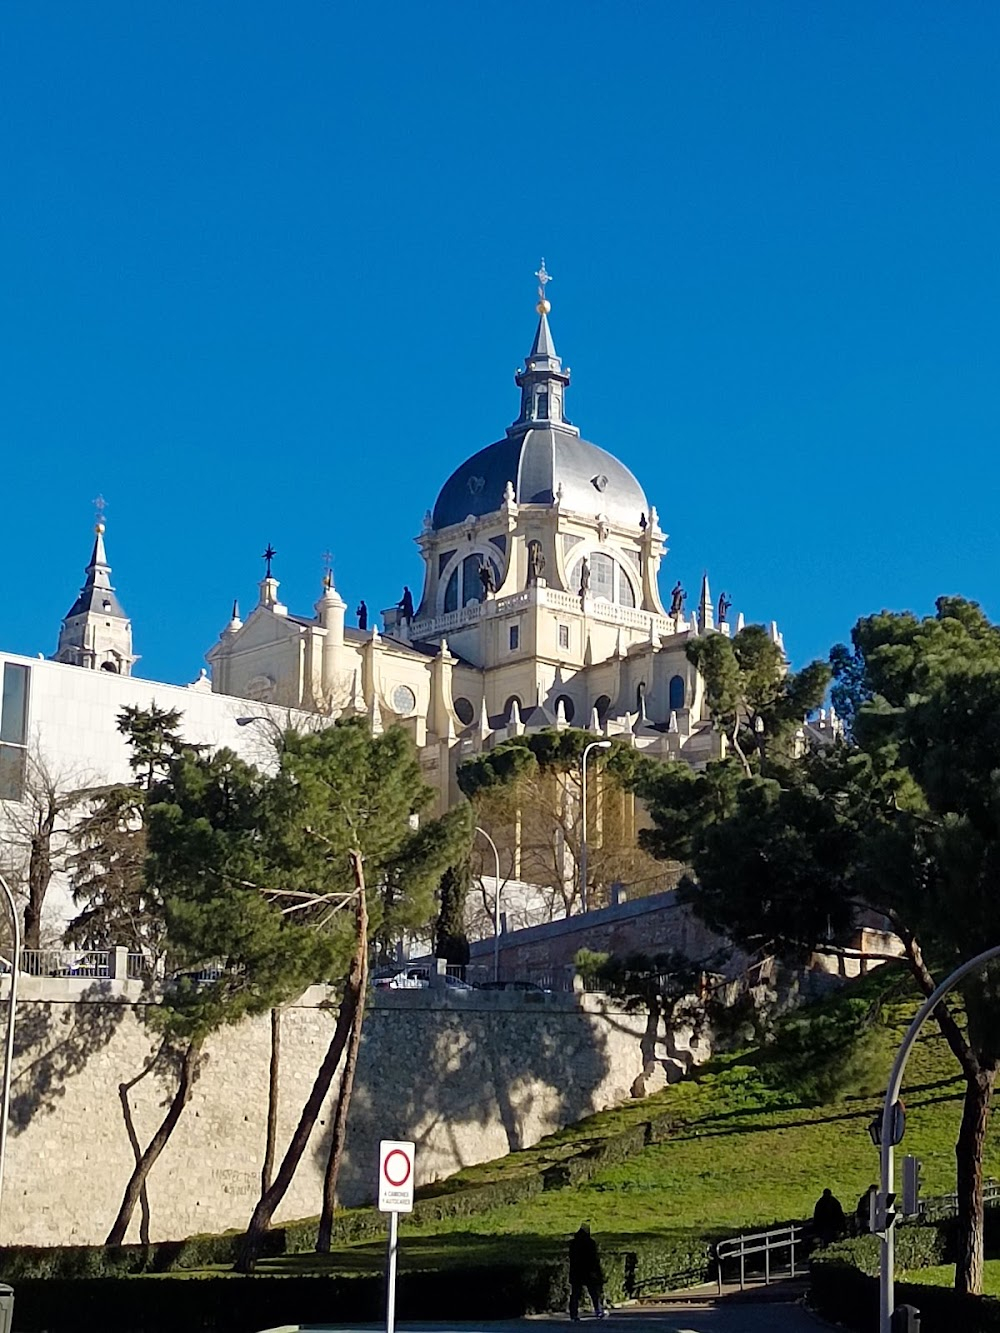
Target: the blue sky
pixel 266 271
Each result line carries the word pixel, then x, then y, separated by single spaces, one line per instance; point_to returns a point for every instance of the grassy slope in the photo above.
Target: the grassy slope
pixel 747 1152
pixel 944 1276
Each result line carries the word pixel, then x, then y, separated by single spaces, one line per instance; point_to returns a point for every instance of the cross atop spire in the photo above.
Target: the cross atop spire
pixel 100 504
pixel 267 557
pixel 542 381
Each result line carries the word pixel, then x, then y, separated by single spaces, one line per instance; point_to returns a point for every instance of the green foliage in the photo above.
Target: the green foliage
pixel 525 756
pixel 844 1279
pixel 450 939
pixel 751 695
pixel 107 863
pixel 254 869
pixel 822 1054
pixel 588 963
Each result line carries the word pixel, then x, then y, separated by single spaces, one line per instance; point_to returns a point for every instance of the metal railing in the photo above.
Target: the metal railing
pixel 140 966
pixel 91 963
pixel 938 1205
pixel 767 1244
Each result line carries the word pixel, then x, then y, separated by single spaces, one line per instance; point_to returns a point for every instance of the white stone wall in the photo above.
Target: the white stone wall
pixel 468 1078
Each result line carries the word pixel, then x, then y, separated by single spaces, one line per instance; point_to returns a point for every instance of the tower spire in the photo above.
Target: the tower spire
pixel 542 381
pixel 96 632
pixel 705 618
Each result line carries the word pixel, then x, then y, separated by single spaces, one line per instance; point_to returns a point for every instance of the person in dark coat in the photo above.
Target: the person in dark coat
pixel 585 1271
pixel 828 1218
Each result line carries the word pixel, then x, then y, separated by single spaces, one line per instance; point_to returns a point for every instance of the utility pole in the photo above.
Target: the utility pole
pixel 593 745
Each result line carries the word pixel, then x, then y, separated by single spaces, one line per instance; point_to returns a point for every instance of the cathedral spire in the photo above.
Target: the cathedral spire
pixel 96 632
pixel 705 617
pixel 542 381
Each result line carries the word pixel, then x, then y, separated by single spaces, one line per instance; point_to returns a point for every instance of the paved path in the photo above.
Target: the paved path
pixel 727 1317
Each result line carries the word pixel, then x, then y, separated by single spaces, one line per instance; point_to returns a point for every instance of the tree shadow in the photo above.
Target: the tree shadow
pixel 496 1079
pixel 52 1042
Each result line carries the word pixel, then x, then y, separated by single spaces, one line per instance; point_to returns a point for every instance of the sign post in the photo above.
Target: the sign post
pixel 395 1196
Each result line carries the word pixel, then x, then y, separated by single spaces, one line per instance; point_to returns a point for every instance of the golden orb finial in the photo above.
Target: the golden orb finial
pixel 543 307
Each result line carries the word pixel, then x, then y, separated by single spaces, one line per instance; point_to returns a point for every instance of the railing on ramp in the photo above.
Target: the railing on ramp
pixel 763 1256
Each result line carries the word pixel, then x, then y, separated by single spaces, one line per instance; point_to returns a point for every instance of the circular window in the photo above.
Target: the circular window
pixel 569 707
pixel 464 711
pixel 403 700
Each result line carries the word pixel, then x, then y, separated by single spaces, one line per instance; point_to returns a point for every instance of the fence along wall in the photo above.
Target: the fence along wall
pixel 467 1077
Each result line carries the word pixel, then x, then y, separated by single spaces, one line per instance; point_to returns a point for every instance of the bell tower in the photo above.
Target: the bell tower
pixel 96 633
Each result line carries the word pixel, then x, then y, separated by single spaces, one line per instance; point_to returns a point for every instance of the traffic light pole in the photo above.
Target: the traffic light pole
pixel 886 1268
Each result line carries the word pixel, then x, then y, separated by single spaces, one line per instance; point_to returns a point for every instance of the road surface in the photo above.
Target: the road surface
pixel 727 1317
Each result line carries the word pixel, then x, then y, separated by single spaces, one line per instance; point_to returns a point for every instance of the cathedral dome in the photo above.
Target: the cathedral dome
pixel 543 455
pixel 538 462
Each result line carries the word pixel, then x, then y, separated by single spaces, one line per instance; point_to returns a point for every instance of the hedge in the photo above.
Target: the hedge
pixel 60 1303
pixel 844 1283
pixel 351 1225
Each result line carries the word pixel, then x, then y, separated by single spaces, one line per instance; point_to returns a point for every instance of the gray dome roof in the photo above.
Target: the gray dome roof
pixel 537 462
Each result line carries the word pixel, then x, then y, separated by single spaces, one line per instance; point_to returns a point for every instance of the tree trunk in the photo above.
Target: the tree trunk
pixel 39 878
pixel 272 1102
pixel 272 1197
pixel 969 1163
pixel 338 1138
pixel 123 1091
pixel 134 1188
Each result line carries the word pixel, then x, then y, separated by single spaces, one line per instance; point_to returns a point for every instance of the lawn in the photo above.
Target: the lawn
pixel 944 1276
pixel 747 1151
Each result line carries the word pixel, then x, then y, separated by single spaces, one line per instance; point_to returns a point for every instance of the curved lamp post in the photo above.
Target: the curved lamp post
pixel 496 904
pixel 592 745
pixel 886 1273
pixel 11 1020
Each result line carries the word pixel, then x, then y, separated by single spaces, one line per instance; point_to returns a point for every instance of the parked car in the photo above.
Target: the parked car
pixel 416 978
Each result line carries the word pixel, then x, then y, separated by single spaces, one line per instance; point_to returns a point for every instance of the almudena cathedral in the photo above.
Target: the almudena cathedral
pixel 540 607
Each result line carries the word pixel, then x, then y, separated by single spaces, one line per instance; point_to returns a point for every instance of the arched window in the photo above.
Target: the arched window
pixel 603 705
pixel 608 580
pixel 640 694
pixel 676 694
pixel 509 705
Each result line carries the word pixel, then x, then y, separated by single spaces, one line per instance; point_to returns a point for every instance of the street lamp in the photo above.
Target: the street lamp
pixel 593 745
pixel 496 904
pixel 891 1125
pixel 11 1019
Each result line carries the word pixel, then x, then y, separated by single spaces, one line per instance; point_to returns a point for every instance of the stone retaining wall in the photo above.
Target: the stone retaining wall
pixel 469 1077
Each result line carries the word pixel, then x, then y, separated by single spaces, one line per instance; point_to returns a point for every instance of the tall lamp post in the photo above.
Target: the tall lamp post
pixel 886 1266
pixel 11 1020
pixel 592 745
pixel 496 903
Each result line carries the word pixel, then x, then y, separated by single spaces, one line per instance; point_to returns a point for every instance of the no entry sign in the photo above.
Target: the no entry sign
pixel 395 1176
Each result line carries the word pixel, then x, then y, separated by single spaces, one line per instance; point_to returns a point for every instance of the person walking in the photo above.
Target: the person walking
pixel 829 1222
pixel 585 1271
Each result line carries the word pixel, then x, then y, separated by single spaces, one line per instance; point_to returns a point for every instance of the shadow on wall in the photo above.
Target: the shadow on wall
pixel 51 1044
pixel 491 1081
